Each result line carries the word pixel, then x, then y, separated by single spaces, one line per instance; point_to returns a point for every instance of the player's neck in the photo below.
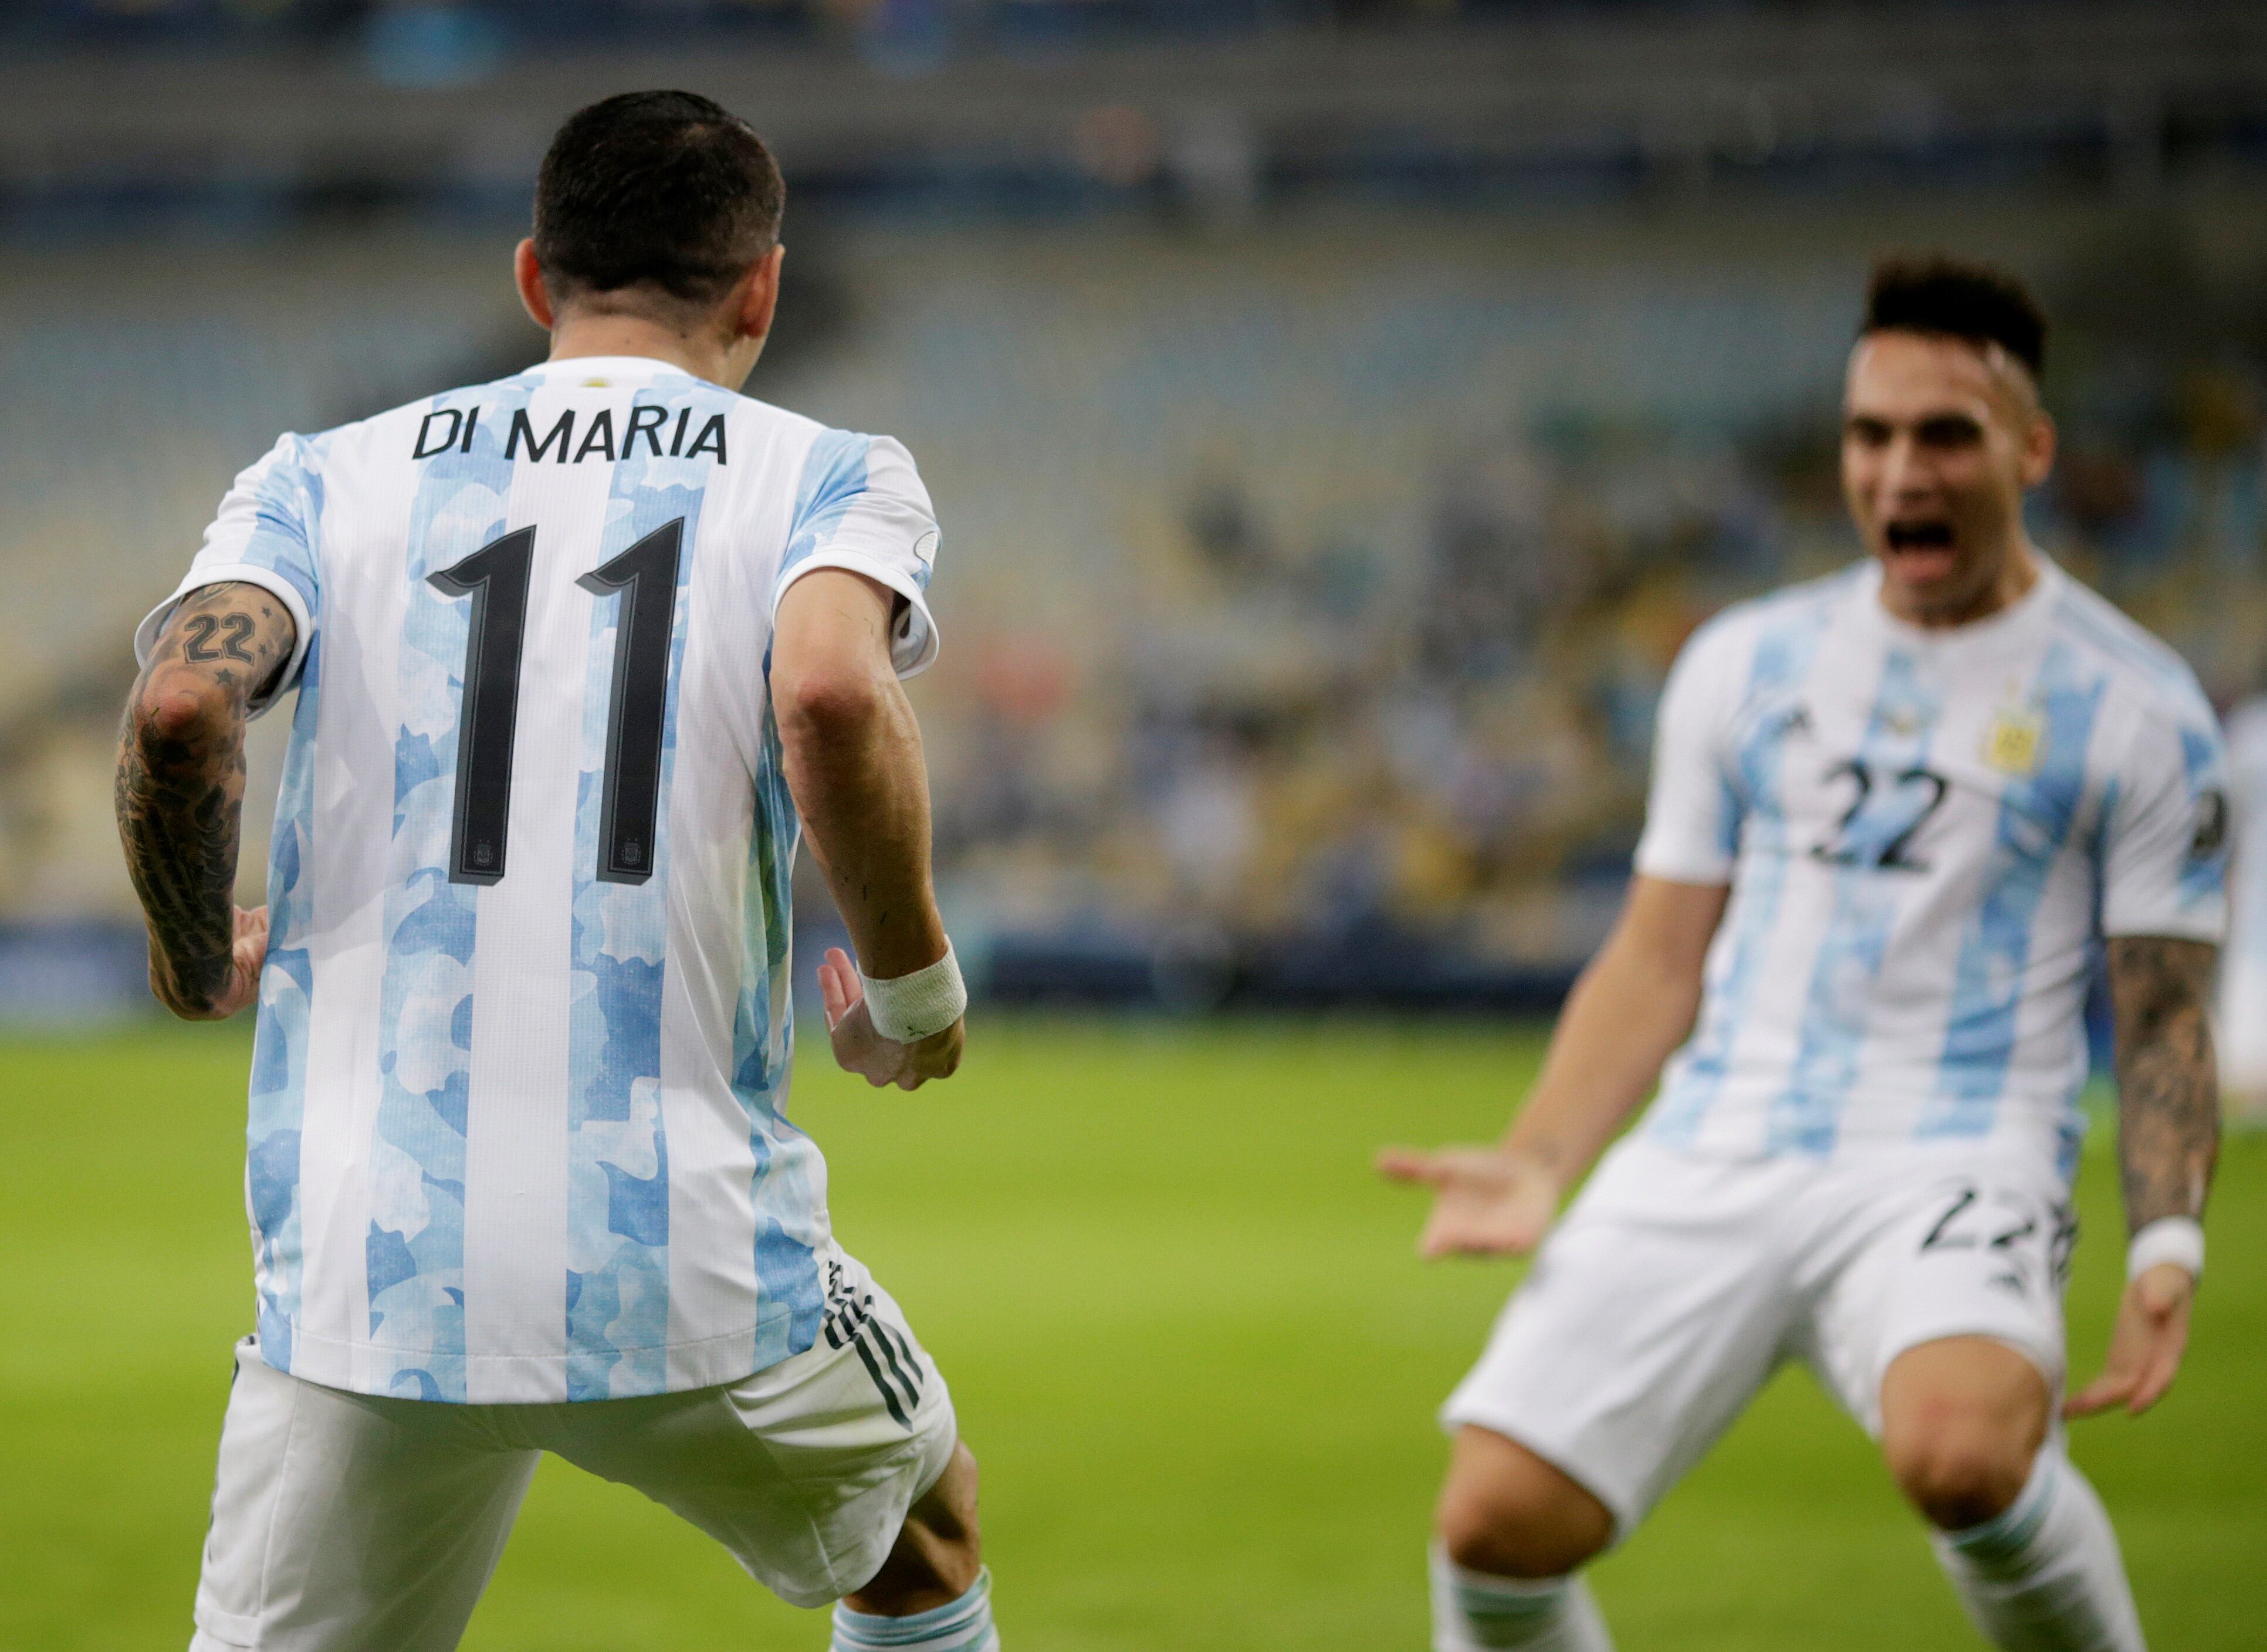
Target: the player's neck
pixel 2018 573
pixel 702 357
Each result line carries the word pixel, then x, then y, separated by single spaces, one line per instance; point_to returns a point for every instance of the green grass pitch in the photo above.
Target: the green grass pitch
pixel 1185 1327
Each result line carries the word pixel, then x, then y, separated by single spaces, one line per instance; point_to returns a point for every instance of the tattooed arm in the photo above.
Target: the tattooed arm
pixel 2168 1087
pixel 2168 1140
pixel 180 794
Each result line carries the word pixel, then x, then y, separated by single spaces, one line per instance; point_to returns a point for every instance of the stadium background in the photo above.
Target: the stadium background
pixel 1338 413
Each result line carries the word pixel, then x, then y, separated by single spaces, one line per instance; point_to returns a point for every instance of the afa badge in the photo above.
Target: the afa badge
pixel 2016 742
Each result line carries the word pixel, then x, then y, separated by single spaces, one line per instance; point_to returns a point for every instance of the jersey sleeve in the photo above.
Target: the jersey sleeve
pixel 861 506
pixel 2165 833
pixel 264 536
pixel 1693 810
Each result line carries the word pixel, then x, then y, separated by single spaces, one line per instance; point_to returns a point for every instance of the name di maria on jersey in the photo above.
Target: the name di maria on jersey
pixel 450 431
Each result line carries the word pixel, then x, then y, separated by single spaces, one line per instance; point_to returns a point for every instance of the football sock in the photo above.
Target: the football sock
pixel 1475 1613
pixel 2045 1575
pixel 959 1626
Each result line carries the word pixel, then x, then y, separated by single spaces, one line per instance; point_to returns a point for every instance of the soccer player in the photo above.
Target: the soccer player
pixel 1896 816
pixel 574 652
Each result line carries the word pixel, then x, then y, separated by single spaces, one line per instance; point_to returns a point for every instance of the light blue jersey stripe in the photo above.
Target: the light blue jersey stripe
pixel 279 1050
pixel 834 477
pixel 617 1141
pixel 2037 813
pixel 289 489
pixel 415 1247
pixel 1806 1116
pixel 791 1300
pixel 1782 660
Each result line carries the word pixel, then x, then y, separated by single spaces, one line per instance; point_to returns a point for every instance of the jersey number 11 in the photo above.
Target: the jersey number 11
pixel 496 578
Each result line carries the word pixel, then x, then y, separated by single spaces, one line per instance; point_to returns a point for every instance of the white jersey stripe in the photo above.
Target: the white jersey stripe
pixel 515 1195
pixel 360 629
pixel 712 1220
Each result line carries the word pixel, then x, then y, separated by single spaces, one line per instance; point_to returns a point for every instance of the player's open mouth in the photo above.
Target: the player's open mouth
pixel 1919 549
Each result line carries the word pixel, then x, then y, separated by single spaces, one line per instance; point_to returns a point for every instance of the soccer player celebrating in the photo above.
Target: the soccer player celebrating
pixel 1895 816
pixel 574 652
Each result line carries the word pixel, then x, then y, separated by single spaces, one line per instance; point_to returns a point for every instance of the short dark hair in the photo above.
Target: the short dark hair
pixel 1956 299
pixel 662 190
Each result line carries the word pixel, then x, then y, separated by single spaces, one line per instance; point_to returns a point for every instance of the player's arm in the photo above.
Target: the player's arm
pixel 853 762
pixel 179 793
pixel 2167 1143
pixel 1631 1007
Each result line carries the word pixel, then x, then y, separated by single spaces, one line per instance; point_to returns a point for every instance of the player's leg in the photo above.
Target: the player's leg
pixel 1963 1419
pixel 1510 1535
pixel 938 1552
pixel 834 1476
pixel 1942 1334
pixel 1966 1428
pixel 933 1591
pixel 1651 1316
pixel 344 1523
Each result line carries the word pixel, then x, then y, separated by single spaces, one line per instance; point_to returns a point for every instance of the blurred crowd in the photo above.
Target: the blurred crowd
pixel 1306 593
pixel 1325 737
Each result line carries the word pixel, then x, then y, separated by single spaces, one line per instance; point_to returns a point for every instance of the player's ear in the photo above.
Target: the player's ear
pixel 527 276
pixel 2038 449
pixel 758 299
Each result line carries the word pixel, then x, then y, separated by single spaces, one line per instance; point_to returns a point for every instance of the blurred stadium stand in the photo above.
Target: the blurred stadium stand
pixel 1339 415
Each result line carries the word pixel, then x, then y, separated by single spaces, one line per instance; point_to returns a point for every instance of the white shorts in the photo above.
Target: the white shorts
pixel 1676 1285
pixel 348 1523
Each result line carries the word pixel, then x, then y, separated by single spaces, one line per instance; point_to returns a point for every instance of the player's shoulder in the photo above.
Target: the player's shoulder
pixel 2135 666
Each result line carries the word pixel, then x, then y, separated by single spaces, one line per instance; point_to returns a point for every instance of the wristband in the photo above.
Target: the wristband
pixel 2176 1239
pixel 906 1008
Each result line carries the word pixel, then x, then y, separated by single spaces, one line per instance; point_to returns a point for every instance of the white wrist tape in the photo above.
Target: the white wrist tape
pixel 906 1008
pixel 2176 1239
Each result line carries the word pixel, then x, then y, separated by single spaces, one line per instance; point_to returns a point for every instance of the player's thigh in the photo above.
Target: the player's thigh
pixel 1979 1252
pixel 344 1523
pixel 1650 1318
pixel 805 1471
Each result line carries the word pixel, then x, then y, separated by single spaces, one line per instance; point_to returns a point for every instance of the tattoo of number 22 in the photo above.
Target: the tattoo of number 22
pixel 496 577
pixel 235 630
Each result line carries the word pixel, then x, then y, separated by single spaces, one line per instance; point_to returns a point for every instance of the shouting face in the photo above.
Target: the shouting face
pixel 1941 440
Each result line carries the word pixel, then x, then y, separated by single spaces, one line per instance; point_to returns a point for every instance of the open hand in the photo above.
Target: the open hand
pixel 859 1049
pixel 1486 1201
pixel 2145 1347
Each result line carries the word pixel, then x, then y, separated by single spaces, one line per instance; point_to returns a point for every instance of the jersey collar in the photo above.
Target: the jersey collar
pixel 602 365
pixel 2016 617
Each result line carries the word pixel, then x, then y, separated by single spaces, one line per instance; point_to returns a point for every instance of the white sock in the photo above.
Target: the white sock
pixel 2045 1575
pixel 1475 1613
pixel 959 1626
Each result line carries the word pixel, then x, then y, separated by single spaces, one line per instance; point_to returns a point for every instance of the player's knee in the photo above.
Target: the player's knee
pixel 1505 1512
pixel 1956 1471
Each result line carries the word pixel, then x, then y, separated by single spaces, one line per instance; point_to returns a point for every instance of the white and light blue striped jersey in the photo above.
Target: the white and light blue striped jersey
pixel 518 1126
pixel 1927 835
